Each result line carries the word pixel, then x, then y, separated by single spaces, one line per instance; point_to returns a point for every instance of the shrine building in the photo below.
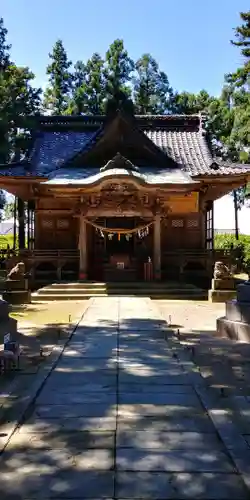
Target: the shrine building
pixel 118 198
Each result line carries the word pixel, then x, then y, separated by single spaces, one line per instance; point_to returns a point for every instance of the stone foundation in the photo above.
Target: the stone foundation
pixel 17 291
pixel 221 295
pixel 17 297
pixel 234 330
pixel 223 284
pixel 236 324
pixel 8 325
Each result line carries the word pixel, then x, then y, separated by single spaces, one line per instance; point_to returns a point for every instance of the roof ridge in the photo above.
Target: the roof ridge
pixel 100 118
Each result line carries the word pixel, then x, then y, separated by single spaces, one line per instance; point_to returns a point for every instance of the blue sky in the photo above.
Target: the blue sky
pixel 188 38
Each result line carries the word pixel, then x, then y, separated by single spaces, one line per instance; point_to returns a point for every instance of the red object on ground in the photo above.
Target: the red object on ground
pixel 82 276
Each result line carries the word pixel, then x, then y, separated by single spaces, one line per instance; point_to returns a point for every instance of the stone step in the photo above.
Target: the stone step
pixel 95 285
pixel 173 295
pixel 117 290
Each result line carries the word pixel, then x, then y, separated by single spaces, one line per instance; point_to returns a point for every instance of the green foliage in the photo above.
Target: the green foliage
pixel 88 87
pixel 17 99
pixel 4 47
pixel 118 70
pixel 152 93
pixel 57 94
pixel 7 241
pixel 189 104
pixel 240 248
pixel 240 83
pixel 9 209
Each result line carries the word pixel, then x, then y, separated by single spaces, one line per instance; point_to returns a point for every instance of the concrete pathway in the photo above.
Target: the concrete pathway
pixel 118 418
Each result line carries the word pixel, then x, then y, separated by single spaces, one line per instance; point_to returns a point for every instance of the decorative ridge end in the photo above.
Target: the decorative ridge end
pixel 203 122
pixel 119 161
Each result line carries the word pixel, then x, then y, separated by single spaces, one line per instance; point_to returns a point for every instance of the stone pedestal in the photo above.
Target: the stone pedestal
pixel 17 291
pixel 236 323
pixel 222 289
pixel 7 324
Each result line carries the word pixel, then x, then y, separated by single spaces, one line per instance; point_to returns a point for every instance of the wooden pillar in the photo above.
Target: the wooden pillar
pixel 21 223
pixel 30 224
pixel 15 220
pixel 157 247
pixel 82 245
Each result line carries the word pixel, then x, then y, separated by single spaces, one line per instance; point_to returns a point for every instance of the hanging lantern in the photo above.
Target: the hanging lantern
pixel 128 236
pixel 110 236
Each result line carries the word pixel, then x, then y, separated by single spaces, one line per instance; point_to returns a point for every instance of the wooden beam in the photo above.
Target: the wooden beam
pixel 53 211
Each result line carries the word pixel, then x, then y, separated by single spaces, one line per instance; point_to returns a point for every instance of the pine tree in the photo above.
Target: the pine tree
pixel 118 71
pixel 240 82
pixel 57 94
pixel 4 47
pixel 78 103
pixel 89 87
pixel 17 100
pixel 188 104
pixel 95 84
pixel 152 92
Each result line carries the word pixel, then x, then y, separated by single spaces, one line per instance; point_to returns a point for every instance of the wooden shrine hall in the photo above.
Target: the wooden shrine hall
pixel 118 198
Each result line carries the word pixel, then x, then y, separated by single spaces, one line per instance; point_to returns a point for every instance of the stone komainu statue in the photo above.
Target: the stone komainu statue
pixel 221 271
pixel 17 272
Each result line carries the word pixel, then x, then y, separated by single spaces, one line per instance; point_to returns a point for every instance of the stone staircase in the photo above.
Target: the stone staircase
pixel 85 290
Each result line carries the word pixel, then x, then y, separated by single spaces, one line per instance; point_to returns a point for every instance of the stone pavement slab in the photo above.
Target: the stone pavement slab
pixel 74 411
pixel 162 440
pixel 120 417
pixel 103 423
pixel 74 441
pixel 163 389
pixel 60 398
pixel 159 399
pixel 40 482
pixel 174 486
pixel 199 423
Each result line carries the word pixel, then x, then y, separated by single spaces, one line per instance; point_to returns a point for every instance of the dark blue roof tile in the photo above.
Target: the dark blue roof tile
pixel 54 148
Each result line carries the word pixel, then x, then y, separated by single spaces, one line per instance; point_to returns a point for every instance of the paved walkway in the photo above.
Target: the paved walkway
pixel 119 418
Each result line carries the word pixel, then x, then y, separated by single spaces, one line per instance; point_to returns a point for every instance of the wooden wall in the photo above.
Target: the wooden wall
pixel 182 231
pixel 56 232
pixel 55 229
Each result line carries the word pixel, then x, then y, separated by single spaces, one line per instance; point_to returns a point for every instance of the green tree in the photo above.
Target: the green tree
pixel 4 47
pixel 89 87
pixel 117 71
pixel 152 92
pixel 78 102
pixel 188 103
pixel 57 94
pixel 9 210
pixel 240 83
pixel 18 99
pixel 95 84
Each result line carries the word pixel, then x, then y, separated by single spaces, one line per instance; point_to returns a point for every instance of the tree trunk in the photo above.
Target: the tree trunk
pixel 236 216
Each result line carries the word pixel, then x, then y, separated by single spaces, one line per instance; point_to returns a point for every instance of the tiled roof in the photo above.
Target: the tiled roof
pixel 190 150
pixel 53 148
pixel 180 137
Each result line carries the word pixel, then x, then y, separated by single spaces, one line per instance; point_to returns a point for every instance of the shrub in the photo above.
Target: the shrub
pixel 240 248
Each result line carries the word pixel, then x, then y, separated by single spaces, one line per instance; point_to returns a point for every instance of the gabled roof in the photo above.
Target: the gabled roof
pixel 180 139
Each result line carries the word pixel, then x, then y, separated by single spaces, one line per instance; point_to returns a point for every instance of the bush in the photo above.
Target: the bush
pixel 240 248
